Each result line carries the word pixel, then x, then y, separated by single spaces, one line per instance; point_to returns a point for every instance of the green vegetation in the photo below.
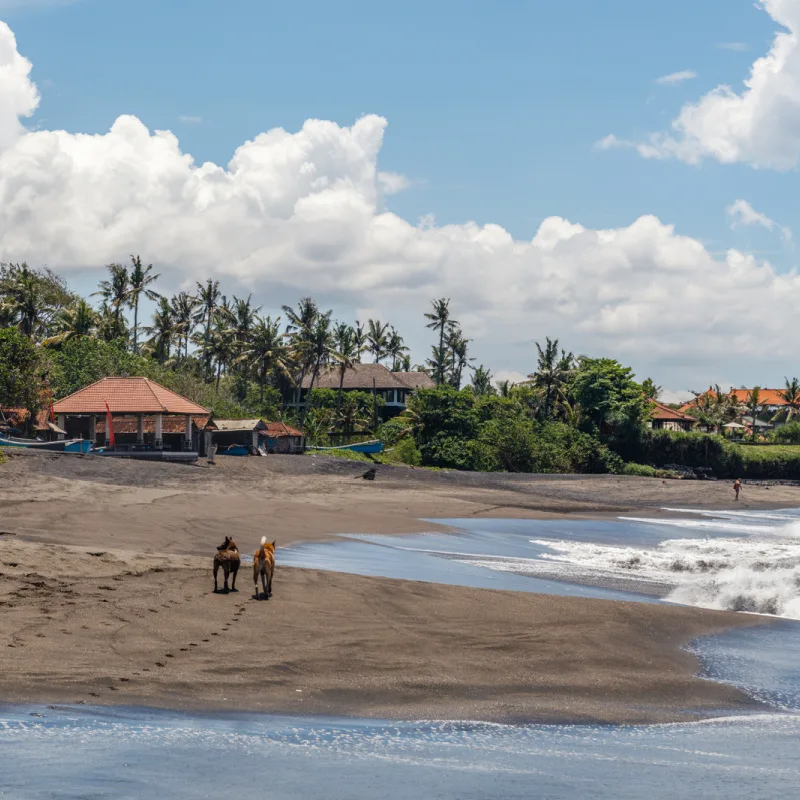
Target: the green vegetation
pixel 572 414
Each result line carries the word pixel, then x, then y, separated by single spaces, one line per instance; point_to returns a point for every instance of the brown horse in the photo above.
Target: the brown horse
pixel 264 565
pixel 227 557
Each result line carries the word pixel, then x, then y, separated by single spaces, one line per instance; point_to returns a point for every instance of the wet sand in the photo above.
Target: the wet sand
pixel 105 597
pixel 110 627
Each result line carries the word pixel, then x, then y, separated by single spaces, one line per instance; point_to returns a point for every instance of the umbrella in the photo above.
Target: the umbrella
pixel 734 425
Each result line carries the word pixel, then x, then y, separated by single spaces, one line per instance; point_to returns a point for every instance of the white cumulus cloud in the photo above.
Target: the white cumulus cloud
pixel 742 214
pixel 675 78
pixel 759 125
pixel 297 213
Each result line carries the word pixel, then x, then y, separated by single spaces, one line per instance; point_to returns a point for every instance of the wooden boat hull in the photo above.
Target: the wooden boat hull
pixel 361 447
pixel 60 446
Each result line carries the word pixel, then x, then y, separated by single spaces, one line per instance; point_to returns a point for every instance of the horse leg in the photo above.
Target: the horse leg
pixel 264 582
pixel 269 584
pixel 226 570
pixel 216 569
pixel 234 570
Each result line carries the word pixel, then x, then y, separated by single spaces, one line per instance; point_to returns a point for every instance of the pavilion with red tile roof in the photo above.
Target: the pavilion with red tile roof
pixel 127 397
pixel 665 418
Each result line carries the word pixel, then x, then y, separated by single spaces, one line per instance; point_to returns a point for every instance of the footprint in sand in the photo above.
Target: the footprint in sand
pixel 193 644
pixel 159 664
pixel 184 649
pixel 93 694
pixel 206 640
pixel 168 655
pixel 154 610
pixel 215 634
pixel 125 679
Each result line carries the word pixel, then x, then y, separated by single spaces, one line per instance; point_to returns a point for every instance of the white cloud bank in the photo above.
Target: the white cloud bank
pixel 297 213
pixel 759 126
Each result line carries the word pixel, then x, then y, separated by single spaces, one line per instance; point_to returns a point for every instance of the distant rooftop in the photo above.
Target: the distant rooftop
pixel 361 376
pixel 127 396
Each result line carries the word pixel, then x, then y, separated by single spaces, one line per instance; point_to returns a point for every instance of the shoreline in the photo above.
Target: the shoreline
pixel 137 630
pixel 105 598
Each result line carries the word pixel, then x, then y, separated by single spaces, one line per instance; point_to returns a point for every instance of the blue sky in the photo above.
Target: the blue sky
pixel 493 109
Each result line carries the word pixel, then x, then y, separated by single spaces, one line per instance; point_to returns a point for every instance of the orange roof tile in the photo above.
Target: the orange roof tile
pixel 278 429
pixel 767 397
pixel 127 396
pixel 665 412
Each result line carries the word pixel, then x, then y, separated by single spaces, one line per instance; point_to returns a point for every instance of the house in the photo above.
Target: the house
pixel 13 421
pixel 173 430
pixel 278 437
pixel 664 418
pixel 139 398
pixel 393 387
pixel 770 400
pixel 229 432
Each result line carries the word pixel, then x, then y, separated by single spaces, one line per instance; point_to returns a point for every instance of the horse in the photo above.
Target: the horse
pixel 264 565
pixel 227 557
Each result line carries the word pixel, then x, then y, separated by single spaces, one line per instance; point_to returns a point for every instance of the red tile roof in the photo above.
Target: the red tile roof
pixel 169 424
pixel 767 397
pixel 663 412
pixel 127 396
pixel 275 430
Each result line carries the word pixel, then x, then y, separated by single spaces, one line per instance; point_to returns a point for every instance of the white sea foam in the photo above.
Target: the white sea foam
pixel 758 572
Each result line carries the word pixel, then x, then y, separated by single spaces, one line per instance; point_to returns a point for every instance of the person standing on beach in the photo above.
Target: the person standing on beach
pixel 737 486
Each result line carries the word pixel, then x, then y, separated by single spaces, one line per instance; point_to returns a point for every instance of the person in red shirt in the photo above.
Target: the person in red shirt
pixel 737 486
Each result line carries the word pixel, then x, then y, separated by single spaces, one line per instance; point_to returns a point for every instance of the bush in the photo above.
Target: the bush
pixel 786 434
pixel 724 458
pixel 643 471
pixel 407 451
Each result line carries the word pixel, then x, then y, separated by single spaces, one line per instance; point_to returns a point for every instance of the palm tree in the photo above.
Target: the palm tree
pixel 320 346
pixel 162 331
pixel 377 339
pixel 482 381
pixel 457 347
pixel 436 365
pixel 753 405
pixel 298 328
pixel 395 349
pixel 439 320
pixel 360 337
pixel 208 297
pixel 25 299
pixel 222 348
pixel 79 320
pixel 114 291
pixel 110 325
pixel 791 396
pixel 348 354
pixel 552 373
pixel 266 351
pixel 348 417
pixel 138 282
pixel 504 387
pixel 183 306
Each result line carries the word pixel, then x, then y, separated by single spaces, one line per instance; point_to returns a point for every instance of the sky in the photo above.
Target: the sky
pixel 618 175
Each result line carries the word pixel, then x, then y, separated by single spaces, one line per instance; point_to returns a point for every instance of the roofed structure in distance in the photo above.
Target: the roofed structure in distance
pixel 416 380
pixel 169 425
pixel 663 412
pixel 275 430
pixel 361 376
pixel 127 396
pixel 766 397
pixel 233 425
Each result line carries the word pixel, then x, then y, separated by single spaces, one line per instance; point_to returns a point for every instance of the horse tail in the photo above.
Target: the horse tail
pixel 263 540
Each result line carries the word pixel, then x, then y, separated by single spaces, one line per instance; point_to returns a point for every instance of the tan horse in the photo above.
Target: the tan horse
pixel 264 565
pixel 227 557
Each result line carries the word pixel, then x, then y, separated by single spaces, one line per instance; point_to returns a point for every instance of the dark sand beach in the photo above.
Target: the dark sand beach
pixel 106 597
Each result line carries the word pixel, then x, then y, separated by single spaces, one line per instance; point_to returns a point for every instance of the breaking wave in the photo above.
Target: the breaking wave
pixel 756 571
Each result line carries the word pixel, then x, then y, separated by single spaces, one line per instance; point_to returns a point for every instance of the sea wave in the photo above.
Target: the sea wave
pixel 756 573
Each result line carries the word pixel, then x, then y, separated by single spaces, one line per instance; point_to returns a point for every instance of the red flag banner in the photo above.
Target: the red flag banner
pixel 110 427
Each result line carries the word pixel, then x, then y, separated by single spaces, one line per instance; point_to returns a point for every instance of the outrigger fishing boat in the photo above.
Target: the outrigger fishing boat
pixel 372 447
pixel 60 446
